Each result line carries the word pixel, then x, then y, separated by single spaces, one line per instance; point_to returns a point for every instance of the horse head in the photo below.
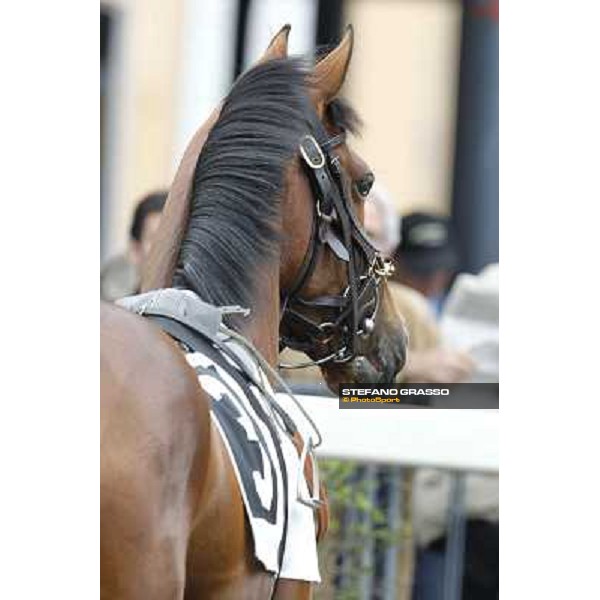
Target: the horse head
pixel 335 304
pixel 337 308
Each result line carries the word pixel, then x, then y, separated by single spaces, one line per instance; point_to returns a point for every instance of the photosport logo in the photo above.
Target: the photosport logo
pixel 419 395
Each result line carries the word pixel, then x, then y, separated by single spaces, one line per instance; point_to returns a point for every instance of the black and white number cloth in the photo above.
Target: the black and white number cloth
pixel 266 464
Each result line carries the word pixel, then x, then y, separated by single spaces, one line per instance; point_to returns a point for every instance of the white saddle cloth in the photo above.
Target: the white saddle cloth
pixel 266 465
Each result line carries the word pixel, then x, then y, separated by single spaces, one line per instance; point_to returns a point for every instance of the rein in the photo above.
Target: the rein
pixel 334 224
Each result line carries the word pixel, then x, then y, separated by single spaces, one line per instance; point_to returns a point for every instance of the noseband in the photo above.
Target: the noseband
pixel 351 314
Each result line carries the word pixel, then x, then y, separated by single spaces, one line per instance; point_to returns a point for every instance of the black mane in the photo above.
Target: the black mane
pixel 239 180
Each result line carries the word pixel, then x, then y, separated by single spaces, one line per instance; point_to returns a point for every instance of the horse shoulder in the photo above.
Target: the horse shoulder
pixel 149 391
pixel 154 447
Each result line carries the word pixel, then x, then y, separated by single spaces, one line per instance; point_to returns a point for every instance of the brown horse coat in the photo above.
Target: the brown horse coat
pixel 156 438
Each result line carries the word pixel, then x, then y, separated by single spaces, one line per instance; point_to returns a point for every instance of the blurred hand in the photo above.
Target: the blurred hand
pixel 438 365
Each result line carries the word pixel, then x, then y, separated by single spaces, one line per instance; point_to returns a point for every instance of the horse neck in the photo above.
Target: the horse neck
pixel 262 327
pixel 295 228
pixel 158 268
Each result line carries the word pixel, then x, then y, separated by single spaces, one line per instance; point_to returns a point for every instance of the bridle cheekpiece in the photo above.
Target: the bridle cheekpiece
pixel 350 315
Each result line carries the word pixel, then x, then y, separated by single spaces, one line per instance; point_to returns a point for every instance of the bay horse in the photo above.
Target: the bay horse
pixel 266 232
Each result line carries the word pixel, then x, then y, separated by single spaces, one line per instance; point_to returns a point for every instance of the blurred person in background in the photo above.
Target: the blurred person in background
pixel 121 276
pixel 382 219
pixel 428 361
pixel 432 499
pixel 426 258
pixel 462 347
pixel 469 321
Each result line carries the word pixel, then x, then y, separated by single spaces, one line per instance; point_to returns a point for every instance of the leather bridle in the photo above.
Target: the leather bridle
pixel 351 314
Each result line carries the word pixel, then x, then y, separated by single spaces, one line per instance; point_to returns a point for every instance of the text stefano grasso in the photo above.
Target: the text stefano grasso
pixel 395 392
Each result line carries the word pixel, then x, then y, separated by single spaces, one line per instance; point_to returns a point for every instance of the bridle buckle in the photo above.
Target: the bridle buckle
pixel 311 152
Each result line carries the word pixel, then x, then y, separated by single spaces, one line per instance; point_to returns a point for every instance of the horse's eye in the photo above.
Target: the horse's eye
pixel 364 184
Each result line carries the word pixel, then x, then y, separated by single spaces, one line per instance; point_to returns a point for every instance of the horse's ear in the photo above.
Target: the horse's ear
pixel 278 48
pixel 330 72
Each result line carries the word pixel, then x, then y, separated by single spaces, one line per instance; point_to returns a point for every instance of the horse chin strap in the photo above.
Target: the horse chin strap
pixel 352 313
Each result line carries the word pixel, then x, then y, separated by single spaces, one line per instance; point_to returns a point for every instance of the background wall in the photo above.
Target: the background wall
pixel 140 109
pixel 167 64
pixel 403 81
